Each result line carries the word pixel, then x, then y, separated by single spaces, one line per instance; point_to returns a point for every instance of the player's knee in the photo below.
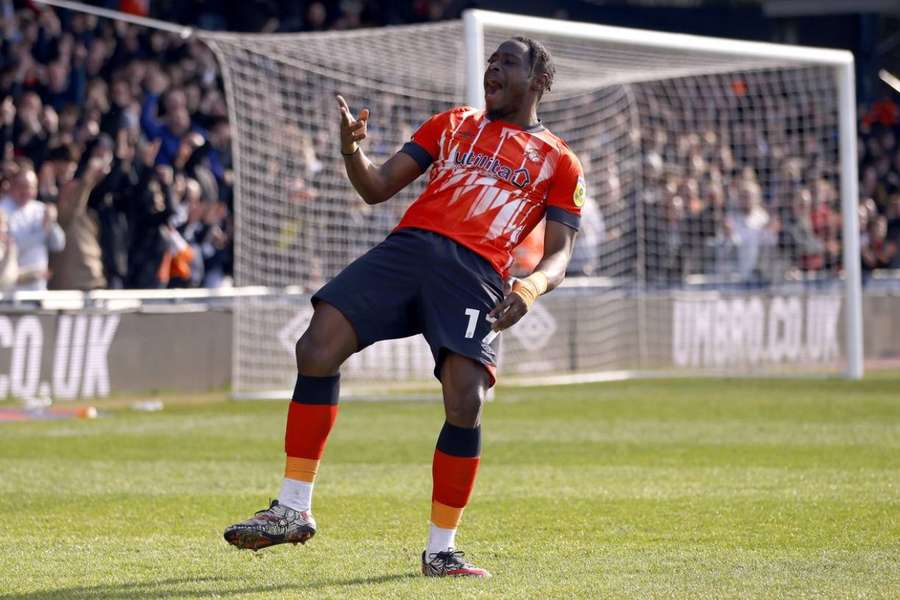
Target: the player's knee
pixel 465 384
pixel 315 356
pixel 463 406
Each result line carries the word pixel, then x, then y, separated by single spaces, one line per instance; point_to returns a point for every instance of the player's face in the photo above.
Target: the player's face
pixel 508 79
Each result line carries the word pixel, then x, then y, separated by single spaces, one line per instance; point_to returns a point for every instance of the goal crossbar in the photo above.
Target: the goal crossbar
pixel 661 40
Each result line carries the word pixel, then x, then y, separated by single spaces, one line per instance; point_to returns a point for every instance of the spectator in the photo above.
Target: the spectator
pixel 217 244
pixel 28 134
pixel 826 222
pixel 79 266
pixel 174 125
pixel 753 232
pixel 152 206
pixel 65 85
pixel 671 256
pixel 33 227
pixel 892 236
pixel 111 201
pixel 7 118
pixel 701 223
pixel 195 232
pixel 123 113
pixel 9 267
pixel 876 252
pixel 797 237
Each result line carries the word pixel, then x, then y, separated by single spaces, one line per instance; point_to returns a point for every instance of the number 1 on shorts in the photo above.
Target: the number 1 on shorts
pixel 473 321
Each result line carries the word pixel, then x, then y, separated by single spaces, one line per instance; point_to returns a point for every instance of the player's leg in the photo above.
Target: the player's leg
pixel 455 465
pixel 368 301
pixel 456 299
pixel 328 341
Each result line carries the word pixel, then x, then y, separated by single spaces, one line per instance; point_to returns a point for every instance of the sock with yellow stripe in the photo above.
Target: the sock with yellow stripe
pixel 311 416
pixel 453 472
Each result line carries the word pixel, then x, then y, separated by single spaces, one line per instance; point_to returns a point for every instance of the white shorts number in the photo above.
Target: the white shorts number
pixel 473 321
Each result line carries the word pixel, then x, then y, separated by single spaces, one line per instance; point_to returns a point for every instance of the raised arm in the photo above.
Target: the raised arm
pixel 373 183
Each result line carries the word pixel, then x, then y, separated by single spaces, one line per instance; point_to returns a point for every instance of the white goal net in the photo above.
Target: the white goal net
pixel 713 236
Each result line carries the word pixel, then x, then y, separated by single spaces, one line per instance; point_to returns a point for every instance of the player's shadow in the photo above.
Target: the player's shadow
pixel 198 587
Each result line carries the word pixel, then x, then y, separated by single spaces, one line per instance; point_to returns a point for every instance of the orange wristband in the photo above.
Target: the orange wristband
pixel 531 287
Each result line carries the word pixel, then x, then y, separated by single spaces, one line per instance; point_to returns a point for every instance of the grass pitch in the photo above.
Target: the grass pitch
pixel 654 489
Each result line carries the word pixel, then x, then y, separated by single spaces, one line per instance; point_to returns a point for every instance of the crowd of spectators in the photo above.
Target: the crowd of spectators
pixel 115 163
pixel 879 187
pixel 751 200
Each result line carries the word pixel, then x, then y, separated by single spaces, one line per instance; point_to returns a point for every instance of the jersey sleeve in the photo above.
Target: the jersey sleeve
pixel 566 192
pixel 425 145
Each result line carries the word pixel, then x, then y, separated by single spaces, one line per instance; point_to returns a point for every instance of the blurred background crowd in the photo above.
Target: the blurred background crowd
pixel 116 162
pixel 116 172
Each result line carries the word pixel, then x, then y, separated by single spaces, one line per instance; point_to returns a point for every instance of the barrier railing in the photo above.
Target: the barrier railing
pixel 888 279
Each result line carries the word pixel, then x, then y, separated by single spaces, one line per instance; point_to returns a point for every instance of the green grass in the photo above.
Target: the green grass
pixel 655 489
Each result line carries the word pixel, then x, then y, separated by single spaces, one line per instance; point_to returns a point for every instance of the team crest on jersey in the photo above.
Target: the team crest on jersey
pixel 533 155
pixel 578 196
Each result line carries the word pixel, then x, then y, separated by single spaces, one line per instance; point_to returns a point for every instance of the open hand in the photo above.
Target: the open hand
pixel 353 130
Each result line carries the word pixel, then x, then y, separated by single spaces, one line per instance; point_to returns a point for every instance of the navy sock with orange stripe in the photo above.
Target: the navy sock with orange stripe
pixel 311 416
pixel 453 472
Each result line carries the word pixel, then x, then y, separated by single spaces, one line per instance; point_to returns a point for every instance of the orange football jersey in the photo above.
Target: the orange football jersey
pixel 491 182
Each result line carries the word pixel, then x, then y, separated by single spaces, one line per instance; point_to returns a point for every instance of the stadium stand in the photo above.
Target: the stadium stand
pixel 127 134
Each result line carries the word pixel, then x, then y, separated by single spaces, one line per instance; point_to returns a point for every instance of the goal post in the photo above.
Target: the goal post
pixel 846 83
pixel 720 235
pixel 841 61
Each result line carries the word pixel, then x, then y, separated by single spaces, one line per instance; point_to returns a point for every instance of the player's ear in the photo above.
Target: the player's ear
pixel 540 81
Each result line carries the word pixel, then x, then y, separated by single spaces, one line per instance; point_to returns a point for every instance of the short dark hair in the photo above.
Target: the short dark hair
pixel 539 59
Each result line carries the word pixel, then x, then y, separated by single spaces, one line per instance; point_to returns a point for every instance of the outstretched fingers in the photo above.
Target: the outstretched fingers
pixel 353 130
pixel 345 110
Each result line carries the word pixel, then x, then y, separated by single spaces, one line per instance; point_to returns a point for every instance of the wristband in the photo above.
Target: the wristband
pixel 355 150
pixel 531 287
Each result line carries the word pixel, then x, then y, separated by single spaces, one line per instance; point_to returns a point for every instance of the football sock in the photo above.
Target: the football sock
pixel 296 494
pixel 311 416
pixel 453 472
pixel 440 539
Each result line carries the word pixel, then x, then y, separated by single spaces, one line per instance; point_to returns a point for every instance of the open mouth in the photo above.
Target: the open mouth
pixel 491 89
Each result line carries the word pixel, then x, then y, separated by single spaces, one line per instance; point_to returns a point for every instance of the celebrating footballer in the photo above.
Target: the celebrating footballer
pixel 493 175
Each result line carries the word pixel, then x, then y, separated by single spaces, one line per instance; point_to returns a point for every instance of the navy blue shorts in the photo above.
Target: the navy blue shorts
pixel 417 281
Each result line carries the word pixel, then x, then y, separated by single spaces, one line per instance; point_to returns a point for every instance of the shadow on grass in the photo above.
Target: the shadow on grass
pixel 193 587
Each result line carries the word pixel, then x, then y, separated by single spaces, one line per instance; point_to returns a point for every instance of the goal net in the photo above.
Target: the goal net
pixel 713 236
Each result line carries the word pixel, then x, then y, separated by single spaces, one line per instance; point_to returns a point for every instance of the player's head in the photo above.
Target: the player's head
pixel 518 73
